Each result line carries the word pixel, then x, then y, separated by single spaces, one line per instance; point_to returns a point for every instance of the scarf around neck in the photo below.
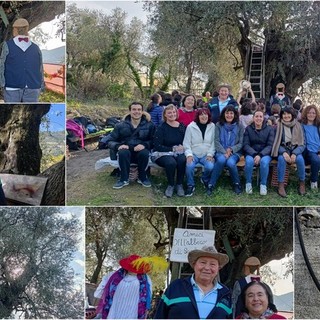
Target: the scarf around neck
pixel 105 302
pixel 296 135
pixel 228 135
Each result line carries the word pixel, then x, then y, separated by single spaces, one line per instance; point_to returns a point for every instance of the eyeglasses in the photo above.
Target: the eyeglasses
pixel 311 112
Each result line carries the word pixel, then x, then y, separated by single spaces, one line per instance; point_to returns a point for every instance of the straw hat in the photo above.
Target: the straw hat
pixel 211 251
pixel 224 85
pixel 20 23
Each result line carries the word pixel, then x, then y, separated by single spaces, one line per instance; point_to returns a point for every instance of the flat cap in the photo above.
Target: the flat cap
pixel 20 23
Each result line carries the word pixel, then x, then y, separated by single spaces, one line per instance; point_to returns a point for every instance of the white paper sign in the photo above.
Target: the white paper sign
pixel 185 240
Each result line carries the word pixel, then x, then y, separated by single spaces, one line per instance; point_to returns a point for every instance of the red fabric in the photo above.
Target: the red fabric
pixel 186 117
pixel 23 39
pixel 126 263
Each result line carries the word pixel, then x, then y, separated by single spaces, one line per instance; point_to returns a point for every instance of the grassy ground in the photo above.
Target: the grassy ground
pixel 98 191
pixel 51 96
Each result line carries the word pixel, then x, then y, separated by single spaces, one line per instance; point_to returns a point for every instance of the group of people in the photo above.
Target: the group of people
pixel 180 138
pixel 127 292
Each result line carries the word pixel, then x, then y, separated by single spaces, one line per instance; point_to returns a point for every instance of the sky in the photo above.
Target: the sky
pixel 77 264
pixel 54 42
pixel 283 285
pixel 133 8
pixel 57 117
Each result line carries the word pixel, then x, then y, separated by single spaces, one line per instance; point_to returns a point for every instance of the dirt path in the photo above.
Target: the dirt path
pixel 86 186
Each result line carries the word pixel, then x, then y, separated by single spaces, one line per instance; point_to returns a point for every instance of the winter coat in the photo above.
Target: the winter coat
pixel 194 143
pixel 178 302
pixel 156 114
pixel 237 148
pixel 215 110
pixel 258 142
pixel 125 133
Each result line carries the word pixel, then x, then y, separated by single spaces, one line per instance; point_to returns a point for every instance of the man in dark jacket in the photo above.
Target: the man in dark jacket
pixel 200 296
pixel 132 139
pixel 216 104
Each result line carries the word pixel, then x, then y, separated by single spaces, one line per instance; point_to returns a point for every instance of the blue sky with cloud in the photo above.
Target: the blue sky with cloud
pixel 57 116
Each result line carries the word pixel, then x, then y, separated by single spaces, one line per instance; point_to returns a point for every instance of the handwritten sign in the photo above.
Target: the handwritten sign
pixel 185 240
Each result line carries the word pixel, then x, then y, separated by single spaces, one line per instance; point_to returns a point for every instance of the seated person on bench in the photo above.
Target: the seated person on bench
pixel 132 139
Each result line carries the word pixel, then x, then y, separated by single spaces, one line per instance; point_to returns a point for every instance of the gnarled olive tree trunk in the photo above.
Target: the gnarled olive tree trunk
pixel 54 193
pixel 20 151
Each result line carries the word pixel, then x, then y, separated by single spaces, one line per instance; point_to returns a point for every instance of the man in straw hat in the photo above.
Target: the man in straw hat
pixel 216 104
pixel 21 68
pixel 200 296
pixel 127 292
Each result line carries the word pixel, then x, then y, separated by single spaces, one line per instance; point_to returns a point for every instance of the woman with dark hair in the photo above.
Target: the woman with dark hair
pixel 169 151
pixel 188 110
pixel 228 144
pixel 310 120
pixel 199 147
pixel 289 146
pixel 246 116
pixel 154 109
pixel 257 144
pixel 256 298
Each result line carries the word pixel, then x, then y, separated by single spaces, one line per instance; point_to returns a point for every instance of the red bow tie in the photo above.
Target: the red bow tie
pixel 23 39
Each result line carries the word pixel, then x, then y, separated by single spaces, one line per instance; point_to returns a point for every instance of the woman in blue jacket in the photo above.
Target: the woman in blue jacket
pixel 257 144
pixel 289 146
pixel 311 125
pixel 228 145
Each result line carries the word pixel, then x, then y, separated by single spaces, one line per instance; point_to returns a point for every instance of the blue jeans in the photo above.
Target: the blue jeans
pixel 314 160
pixel 208 166
pixel 282 168
pixel 264 169
pixel 230 163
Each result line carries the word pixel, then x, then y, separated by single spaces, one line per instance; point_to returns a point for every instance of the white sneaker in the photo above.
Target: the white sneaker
pixel 248 188
pixel 314 185
pixel 263 190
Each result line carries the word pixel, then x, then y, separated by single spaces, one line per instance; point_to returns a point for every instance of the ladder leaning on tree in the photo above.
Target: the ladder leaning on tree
pixel 256 70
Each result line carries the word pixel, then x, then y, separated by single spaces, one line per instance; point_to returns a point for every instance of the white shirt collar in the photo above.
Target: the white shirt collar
pixel 23 45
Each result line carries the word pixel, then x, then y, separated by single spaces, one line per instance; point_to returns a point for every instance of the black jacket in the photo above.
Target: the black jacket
pixel 258 142
pixel 125 133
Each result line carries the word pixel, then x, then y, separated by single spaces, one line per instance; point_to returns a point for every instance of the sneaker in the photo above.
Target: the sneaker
pixel 190 191
pixel 180 191
pixel 169 191
pixel 209 190
pixel 314 185
pixel 263 190
pixel 120 184
pixel 248 188
pixel 146 183
pixel 237 188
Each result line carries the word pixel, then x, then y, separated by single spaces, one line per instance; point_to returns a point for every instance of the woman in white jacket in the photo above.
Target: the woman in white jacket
pixel 199 148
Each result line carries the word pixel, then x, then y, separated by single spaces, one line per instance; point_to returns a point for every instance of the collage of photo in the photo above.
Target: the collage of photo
pixel 159 159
